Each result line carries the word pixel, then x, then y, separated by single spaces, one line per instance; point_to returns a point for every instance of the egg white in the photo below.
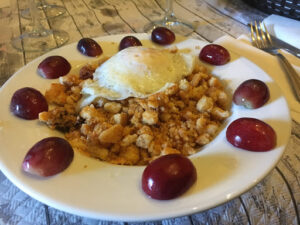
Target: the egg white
pixel 137 72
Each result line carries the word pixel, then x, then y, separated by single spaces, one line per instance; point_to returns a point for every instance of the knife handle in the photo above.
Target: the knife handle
pixel 293 77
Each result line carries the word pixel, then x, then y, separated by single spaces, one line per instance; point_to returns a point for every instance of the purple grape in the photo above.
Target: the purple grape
pixel 27 103
pixel 251 94
pixel 251 134
pixel 214 54
pixel 48 157
pixel 89 47
pixel 162 36
pixel 129 41
pixel 54 67
pixel 168 177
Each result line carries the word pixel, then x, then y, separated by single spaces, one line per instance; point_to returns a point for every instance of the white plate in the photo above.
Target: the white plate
pixel 100 190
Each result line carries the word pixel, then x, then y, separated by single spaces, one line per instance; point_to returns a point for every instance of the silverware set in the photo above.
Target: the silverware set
pixel 263 40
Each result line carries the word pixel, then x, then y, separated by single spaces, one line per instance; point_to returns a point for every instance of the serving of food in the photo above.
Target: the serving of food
pixel 140 109
pixel 141 117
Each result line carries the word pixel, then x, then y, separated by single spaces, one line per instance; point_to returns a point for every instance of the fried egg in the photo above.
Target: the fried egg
pixel 137 72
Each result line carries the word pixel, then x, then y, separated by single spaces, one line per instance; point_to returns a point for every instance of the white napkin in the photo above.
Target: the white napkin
pixel 269 64
pixel 285 29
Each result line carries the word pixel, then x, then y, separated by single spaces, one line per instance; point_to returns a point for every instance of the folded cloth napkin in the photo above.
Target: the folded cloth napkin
pixel 269 64
pixel 285 29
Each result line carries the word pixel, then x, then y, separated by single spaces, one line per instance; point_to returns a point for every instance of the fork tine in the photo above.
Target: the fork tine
pixel 268 35
pixel 258 39
pixel 253 35
pixel 263 36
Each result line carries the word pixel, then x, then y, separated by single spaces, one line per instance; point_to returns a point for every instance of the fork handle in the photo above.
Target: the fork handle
pixel 293 77
pixel 297 54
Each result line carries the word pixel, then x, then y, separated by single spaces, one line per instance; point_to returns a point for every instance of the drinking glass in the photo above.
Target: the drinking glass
pixel 50 10
pixel 39 39
pixel 171 22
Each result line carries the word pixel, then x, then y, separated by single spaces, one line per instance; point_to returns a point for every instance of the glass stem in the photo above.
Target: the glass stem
pixel 169 10
pixel 37 27
pixel 43 3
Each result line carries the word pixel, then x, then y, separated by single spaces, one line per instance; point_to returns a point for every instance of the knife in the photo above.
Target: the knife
pixel 285 46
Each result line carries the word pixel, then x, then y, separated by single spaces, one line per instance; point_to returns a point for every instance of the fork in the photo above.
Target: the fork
pixel 262 40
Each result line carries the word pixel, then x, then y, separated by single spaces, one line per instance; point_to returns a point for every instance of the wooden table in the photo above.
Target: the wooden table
pixel 275 200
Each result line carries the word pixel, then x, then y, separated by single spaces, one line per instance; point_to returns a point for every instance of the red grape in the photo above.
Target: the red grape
pixel 54 67
pixel 252 94
pixel 48 157
pixel 89 47
pixel 27 103
pixel 168 177
pixel 251 134
pixel 129 41
pixel 214 54
pixel 162 36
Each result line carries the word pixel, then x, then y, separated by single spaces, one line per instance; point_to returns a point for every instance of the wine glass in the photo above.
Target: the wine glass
pixel 39 39
pixel 50 10
pixel 171 22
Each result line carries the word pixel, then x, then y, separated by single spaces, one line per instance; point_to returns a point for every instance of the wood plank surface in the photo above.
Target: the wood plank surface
pixel 275 200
